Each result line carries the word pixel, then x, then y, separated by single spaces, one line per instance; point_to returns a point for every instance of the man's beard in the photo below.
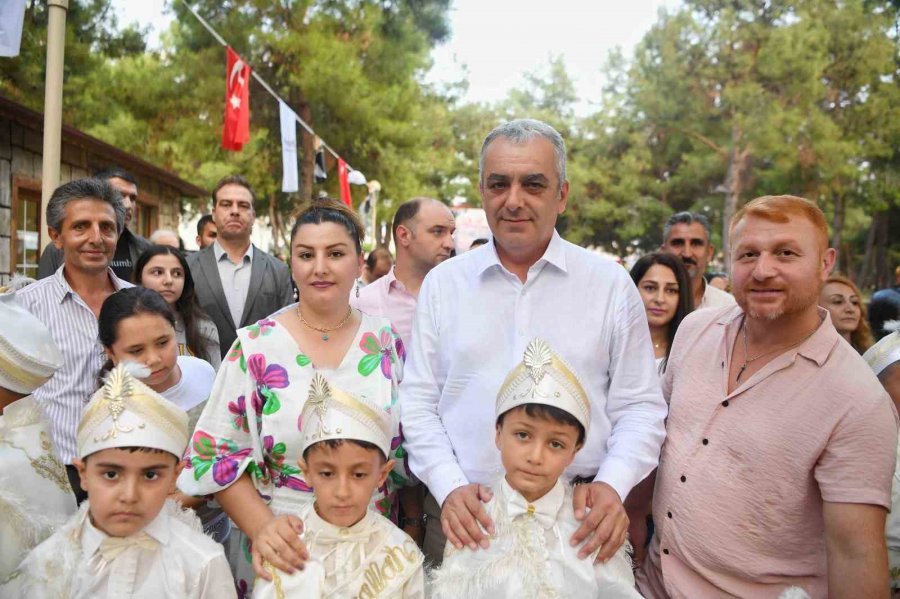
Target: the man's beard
pixel 794 303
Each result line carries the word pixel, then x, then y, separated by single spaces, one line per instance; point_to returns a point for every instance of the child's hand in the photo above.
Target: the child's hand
pixel 278 543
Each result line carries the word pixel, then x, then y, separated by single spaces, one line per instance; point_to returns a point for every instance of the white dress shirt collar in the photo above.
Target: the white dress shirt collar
pixel 92 537
pixel 63 289
pixel 487 257
pixel 219 251
pixel 544 510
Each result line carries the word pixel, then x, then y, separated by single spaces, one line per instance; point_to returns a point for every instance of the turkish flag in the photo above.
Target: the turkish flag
pixel 236 130
pixel 343 173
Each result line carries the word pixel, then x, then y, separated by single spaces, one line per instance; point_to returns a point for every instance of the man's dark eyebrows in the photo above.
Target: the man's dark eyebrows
pixel 497 177
pixel 536 178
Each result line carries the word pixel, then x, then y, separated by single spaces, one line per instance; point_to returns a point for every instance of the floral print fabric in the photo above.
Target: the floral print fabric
pixel 252 419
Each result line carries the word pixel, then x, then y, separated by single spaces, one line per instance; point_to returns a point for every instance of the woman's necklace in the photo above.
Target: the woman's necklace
pixel 325 330
pixel 771 351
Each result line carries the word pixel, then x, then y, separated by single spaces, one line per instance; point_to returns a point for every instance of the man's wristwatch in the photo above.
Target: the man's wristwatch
pixel 413 522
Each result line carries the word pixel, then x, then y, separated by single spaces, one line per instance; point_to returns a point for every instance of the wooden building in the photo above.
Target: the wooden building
pixel 22 231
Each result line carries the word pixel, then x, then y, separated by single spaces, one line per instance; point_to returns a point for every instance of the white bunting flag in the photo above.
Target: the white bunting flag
pixel 12 17
pixel 290 178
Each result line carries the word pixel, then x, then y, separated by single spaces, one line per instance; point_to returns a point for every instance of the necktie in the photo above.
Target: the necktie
pixel 113 547
pixel 517 507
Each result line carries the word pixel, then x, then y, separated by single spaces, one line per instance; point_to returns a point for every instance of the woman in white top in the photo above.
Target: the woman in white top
pixel 665 288
pixel 164 269
pixel 137 325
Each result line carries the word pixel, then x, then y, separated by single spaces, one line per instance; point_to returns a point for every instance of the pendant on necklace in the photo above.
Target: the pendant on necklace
pixel 324 336
pixel 740 372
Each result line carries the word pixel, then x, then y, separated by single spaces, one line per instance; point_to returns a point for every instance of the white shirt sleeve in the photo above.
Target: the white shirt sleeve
pixel 216 581
pixel 431 456
pixel 634 404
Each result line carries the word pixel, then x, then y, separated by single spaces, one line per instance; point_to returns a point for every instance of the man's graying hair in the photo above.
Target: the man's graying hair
pixel 687 218
pixel 523 130
pixel 89 188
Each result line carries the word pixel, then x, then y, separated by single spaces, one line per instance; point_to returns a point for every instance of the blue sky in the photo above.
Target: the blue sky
pixel 495 42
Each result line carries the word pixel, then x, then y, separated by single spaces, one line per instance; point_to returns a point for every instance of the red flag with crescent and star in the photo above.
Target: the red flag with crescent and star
pixel 344 182
pixel 236 130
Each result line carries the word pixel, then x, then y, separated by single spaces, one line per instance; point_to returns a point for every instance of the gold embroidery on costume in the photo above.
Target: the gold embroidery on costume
pixel 378 576
pixel 49 467
pixel 276 580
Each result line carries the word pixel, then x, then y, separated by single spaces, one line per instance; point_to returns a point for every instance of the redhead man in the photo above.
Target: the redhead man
pixel 777 467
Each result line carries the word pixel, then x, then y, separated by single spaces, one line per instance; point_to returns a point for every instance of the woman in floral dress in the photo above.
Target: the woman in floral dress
pixel 247 442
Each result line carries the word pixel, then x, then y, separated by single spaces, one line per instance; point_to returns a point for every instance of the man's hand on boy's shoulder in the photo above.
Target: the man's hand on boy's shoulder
pixel 462 513
pixel 278 543
pixel 604 522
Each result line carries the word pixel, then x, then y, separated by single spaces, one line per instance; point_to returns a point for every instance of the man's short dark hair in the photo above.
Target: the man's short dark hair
pixel 201 224
pixel 233 180
pixel 115 171
pixel 687 218
pixel 551 413
pixel 405 213
pixel 89 188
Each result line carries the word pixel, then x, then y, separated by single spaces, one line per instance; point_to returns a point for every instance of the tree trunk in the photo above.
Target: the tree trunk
pixel 863 277
pixel 837 225
pixel 275 224
pixel 308 154
pixel 734 178
pixel 842 262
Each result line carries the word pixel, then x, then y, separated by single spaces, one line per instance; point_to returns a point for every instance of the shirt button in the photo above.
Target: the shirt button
pixel 666 551
pixel 683 478
pixel 669 514
pixel 706 441
pixel 725 403
pixel 344 532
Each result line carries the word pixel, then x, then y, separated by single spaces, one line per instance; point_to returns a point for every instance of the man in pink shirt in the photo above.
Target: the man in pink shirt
pixel 423 233
pixel 777 467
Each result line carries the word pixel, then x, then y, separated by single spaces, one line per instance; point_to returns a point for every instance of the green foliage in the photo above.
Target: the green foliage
pixel 722 101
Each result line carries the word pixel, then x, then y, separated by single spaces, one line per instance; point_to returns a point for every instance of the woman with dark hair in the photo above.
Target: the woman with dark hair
pixel 665 288
pixel 247 443
pixel 163 269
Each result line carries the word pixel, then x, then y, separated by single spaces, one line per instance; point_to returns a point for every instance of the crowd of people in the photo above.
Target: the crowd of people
pixel 524 419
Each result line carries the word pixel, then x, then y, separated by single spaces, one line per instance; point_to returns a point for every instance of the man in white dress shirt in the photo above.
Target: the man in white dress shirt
pixel 687 234
pixel 477 312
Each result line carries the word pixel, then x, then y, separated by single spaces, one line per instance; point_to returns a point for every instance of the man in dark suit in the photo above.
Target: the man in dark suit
pixel 236 282
pixel 128 247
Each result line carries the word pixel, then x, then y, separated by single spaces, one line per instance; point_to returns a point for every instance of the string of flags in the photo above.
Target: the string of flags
pixel 236 125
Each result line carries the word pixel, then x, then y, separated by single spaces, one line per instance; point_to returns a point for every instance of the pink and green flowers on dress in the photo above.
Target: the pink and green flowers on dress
pixel 220 455
pixel 236 354
pixel 283 475
pixel 261 328
pixel 378 351
pixel 267 378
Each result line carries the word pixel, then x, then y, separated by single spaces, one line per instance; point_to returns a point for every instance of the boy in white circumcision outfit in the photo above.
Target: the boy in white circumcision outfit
pixel 543 415
pixel 354 552
pixel 128 540
pixel 35 496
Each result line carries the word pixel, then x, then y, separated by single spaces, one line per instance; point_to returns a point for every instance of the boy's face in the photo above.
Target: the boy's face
pixel 127 489
pixel 534 451
pixel 344 479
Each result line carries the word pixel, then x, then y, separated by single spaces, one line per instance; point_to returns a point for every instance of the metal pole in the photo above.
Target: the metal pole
pixel 53 92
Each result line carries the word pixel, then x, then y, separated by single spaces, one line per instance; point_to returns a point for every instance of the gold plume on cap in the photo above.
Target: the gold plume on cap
pixel 543 377
pixel 538 357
